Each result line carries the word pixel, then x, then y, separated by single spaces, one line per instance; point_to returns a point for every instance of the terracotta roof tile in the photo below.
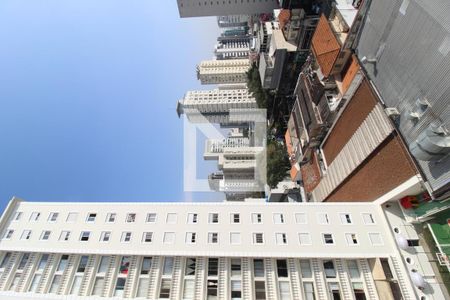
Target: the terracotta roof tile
pixel 284 17
pixel 350 74
pixel 325 46
pixel 287 138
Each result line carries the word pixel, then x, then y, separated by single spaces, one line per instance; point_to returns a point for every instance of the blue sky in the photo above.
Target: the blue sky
pixel 88 92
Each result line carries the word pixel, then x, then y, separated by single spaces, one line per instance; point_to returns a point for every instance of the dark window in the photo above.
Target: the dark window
pixel 282 268
pixel 83 263
pixel 213 266
pixel 190 266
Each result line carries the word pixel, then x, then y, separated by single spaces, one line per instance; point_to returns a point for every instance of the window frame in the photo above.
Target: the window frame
pixel 309 238
pixel 88 236
pixel 144 235
pixel 256 214
pixel 43 233
pixel 255 238
pixel 89 215
pixel 125 235
pixel 102 236
pixel 343 214
pixel 324 240
pixel 147 217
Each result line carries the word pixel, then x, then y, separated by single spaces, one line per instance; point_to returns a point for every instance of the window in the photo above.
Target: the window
pixel 256 218
pixel 282 270
pixel 72 217
pixel 328 238
pixel 213 218
pixel 368 218
pixel 190 266
pixel 308 288
pixel 305 268
pixel 375 239
pixel 171 218
pixel 235 267
pixel 45 235
pixel 328 268
pixel 168 266
pixel 64 236
pixel 76 285
pixel 281 238
pixel 23 261
pixel 84 237
pixel 300 218
pixel 124 265
pixel 52 217
pixel 322 218
pixel 164 292
pixel 235 218
pixel 189 289
pixel 111 217
pixel 413 242
pixel 151 218
pixel 258 268
pixel 143 286
pixel 304 238
pixel 8 235
pixel 358 290
pixel 192 218
pixel 62 263
pixel 258 238
pixel 260 290
pixel 211 289
pixel 83 263
pixel 236 289
pixel 235 238
pixel 55 284
pixel 42 262
pixel 91 217
pixel 15 282
pixel 213 237
pixel 146 265
pixel 35 216
pixel 147 237
pixel 191 237
pixel 213 266
pixel 126 237
pixel 5 260
pixel 285 292
pixel 333 288
pixel 120 286
pixel 169 237
pixel 131 218
pixel 345 218
pixel 26 235
pixel 98 286
pixel 278 218
pixel 17 216
pixel 103 266
pixel 351 239
pixel 35 283
pixel 353 269
pixel 105 236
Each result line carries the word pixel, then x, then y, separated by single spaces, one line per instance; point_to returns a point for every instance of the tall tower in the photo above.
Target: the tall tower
pixel 194 8
pixel 223 71
pixel 214 105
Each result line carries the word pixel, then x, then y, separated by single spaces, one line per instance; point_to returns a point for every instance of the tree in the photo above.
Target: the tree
pixel 277 162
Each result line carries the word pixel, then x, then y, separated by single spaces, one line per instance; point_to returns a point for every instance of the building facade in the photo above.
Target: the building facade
pixel 250 250
pixel 223 71
pixel 192 8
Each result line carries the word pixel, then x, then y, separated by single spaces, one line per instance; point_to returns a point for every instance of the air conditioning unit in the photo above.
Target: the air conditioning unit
pixel 392 112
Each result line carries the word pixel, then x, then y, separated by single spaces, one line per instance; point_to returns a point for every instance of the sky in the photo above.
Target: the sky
pixel 88 91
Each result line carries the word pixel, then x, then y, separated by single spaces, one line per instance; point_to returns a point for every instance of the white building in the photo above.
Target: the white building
pixel 214 105
pixel 232 49
pixel 248 250
pixel 193 8
pixel 233 21
pixel 223 71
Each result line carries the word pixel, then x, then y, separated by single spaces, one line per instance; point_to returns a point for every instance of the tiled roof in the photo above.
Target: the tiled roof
pixel 350 74
pixel 284 17
pixel 325 46
pixel 311 174
pixel 287 138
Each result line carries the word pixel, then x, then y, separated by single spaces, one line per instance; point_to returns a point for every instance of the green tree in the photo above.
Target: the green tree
pixel 277 162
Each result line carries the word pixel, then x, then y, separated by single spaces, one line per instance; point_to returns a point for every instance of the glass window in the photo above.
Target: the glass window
pixel 260 290
pixel 83 263
pixel 191 237
pixel 91 217
pixel 45 235
pixel 105 236
pixel 328 238
pixel 8 235
pixel 213 266
pixel 304 238
pixel 164 292
pixel 98 286
pixel 168 266
pixel 353 269
pixel 103 266
pixel 192 218
pixel 143 286
pixel 23 261
pixel 64 236
pixel 281 238
pixel 120 286
pixel 146 265
pixel 258 238
pixel 190 266
pixel 322 218
pixel 53 217
pixel 345 218
pixel 147 237
pixel 236 289
pixel 17 216
pixel 333 288
pixel 55 284
pixel 235 238
pixel 76 285
pixel 351 239
pixel 305 268
pixel 189 289
pixel 278 218
pixel 308 287
pixel 35 283
pixel 151 218
pixel 213 237
pixel 124 265
pixel 258 268
pixel 375 239
pixel 131 218
pixel 328 268
pixel 84 237
pixel 235 267
pixel 5 260
pixel 213 218
pixel 285 292
pixel 35 216
pixel 62 263
pixel 358 290
pixel 235 218
pixel 300 218
pixel 72 217
pixel 126 237
pixel 111 218
pixel 26 235
pixel 368 218
pixel 211 289
pixel 42 262
pixel 171 218
pixel 256 218
pixel 169 237
pixel 282 270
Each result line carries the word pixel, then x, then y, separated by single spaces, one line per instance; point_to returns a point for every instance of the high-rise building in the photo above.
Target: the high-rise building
pixel 249 250
pixel 214 105
pixel 233 21
pixel 232 49
pixel 193 8
pixel 223 71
